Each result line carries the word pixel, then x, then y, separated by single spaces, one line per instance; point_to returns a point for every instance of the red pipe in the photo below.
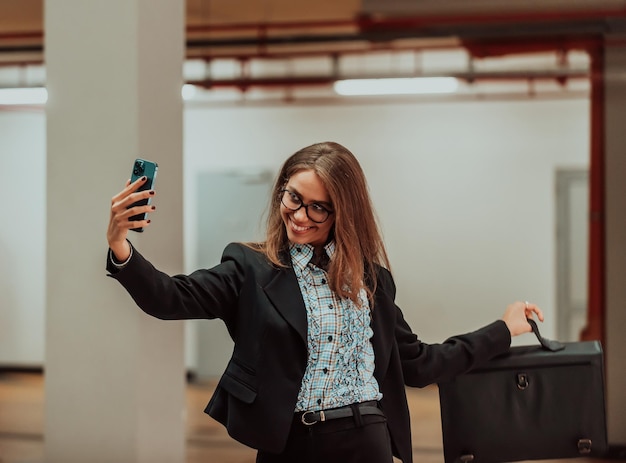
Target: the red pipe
pixel 479 49
pixel 328 52
pixel 558 15
pixel 596 252
pixel 24 62
pixel 246 83
pixel 328 24
pixel 488 48
pixel 368 22
pixel 21 35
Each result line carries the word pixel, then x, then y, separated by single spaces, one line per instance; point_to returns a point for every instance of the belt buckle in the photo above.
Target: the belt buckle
pixel 303 418
pixel 307 423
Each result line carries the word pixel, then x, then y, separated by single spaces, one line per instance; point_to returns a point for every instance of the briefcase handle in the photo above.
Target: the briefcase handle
pixel 547 344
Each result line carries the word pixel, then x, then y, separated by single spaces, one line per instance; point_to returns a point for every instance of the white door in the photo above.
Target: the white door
pixel 231 207
pixel 572 209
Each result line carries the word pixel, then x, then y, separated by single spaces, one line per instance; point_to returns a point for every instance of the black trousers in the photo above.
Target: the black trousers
pixel 357 439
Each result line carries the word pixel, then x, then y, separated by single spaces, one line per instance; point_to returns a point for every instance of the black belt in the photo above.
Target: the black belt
pixel 365 408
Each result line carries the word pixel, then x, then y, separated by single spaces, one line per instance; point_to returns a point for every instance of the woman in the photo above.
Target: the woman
pixel 321 352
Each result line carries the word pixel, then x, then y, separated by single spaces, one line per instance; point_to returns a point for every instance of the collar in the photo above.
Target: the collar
pixel 302 254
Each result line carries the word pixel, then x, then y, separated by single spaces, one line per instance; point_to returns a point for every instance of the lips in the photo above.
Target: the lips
pixel 297 228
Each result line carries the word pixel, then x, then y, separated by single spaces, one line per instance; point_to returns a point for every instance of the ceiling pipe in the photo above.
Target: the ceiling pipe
pixel 368 29
pixel 14 49
pixel 469 77
pixel 481 34
pixel 21 35
pixel 371 22
pixel 426 20
pixel 288 54
pixel 21 62
pixel 478 47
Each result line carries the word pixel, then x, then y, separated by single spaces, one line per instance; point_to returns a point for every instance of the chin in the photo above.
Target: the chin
pixel 299 239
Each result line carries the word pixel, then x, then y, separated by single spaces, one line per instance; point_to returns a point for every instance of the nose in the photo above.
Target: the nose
pixel 300 215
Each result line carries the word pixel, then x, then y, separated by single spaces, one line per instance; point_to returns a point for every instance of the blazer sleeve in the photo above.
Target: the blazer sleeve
pixel 205 293
pixel 424 364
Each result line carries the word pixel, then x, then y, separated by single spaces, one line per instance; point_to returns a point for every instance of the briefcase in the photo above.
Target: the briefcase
pixel 532 403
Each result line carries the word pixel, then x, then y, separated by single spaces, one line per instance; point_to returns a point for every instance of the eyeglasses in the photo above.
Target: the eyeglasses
pixel 314 211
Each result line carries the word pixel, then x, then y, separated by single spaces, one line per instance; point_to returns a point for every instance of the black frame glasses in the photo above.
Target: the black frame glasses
pixel 297 200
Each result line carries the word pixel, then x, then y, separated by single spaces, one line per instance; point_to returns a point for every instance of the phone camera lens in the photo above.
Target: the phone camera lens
pixel 139 168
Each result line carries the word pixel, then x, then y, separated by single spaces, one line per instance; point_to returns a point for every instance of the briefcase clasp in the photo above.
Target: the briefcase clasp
pixel 468 458
pixel 522 381
pixel 584 446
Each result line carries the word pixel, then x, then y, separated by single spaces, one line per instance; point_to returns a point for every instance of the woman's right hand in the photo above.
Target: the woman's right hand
pixel 118 220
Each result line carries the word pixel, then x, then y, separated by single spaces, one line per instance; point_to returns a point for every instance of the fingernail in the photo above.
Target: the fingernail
pixel 153 207
pixel 144 178
pixel 149 221
pixel 151 192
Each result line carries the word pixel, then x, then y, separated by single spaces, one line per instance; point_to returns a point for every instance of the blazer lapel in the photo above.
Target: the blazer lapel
pixel 284 292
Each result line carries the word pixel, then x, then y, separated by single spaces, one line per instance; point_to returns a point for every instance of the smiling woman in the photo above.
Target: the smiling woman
pixel 322 353
pixel 328 177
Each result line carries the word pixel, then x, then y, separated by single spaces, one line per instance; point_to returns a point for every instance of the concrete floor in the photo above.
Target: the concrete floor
pixel 21 424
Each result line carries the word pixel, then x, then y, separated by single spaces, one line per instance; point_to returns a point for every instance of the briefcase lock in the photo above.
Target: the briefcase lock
pixel 522 381
pixel 466 458
pixel 584 446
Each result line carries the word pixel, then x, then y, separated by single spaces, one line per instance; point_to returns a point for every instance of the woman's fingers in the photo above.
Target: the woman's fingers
pixel 121 218
pixel 531 309
pixel 516 316
pixel 124 206
pixel 129 194
pixel 127 205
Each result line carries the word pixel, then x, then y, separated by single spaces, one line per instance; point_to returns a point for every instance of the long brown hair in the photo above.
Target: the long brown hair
pixel 359 244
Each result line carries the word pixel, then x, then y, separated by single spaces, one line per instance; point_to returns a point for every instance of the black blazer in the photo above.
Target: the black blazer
pixel 264 312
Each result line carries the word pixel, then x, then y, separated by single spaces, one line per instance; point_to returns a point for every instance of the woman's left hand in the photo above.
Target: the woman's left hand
pixel 516 314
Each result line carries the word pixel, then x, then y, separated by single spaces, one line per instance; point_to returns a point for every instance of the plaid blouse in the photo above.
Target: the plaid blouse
pixel 340 365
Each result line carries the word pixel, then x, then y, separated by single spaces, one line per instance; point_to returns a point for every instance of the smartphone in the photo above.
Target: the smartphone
pixel 143 167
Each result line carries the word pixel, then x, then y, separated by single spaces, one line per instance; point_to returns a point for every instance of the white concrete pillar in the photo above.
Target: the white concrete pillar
pixel 615 138
pixel 114 378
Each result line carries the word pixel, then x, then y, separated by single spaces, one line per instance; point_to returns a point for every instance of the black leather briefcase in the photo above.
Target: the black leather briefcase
pixel 533 403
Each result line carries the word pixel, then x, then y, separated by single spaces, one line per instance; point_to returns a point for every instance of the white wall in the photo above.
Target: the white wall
pixel 22 237
pixel 464 190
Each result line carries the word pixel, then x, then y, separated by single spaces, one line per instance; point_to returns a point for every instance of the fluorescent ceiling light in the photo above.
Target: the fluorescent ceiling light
pixel 23 96
pixel 396 86
pixel 189 92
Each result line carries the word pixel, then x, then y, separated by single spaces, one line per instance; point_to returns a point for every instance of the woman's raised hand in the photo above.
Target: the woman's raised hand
pixel 120 212
pixel 516 314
